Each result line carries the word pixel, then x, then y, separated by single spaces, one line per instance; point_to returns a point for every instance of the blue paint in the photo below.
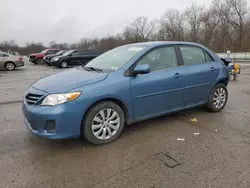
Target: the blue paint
pixel 144 95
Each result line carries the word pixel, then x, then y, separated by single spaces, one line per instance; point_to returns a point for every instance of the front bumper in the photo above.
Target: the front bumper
pixel 32 59
pixel 66 120
pixel 19 63
pixel 46 61
pixel 55 63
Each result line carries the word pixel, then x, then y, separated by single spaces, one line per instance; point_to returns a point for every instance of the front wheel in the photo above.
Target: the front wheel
pixel 64 64
pixel 9 66
pixel 103 123
pixel 218 98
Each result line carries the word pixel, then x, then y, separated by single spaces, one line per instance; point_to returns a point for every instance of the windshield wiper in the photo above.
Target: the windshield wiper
pixel 93 69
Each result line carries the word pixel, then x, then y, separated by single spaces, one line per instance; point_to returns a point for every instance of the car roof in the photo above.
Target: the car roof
pixel 53 49
pixel 160 43
pixel 1 52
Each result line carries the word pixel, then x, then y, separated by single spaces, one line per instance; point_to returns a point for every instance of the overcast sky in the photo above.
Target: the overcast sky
pixel 69 20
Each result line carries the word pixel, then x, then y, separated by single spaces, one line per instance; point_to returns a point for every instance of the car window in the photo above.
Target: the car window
pixel 208 57
pixel 192 55
pixel 4 55
pixel 160 58
pixel 50 52
pixel 75 54
pixel 116 58
pixel 88 52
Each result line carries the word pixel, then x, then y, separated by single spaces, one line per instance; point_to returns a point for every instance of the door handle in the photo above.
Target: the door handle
pixel 177 75
pixel 212 69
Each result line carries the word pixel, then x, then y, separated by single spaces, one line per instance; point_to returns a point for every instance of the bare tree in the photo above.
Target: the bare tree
pixel 209 27
pixel 140 30
pixel 172 25
pixel 193 16
pixel 235 13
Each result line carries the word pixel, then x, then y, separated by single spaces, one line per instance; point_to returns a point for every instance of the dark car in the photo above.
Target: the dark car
pixel 38 57
pixel 47 58
pixel 74 57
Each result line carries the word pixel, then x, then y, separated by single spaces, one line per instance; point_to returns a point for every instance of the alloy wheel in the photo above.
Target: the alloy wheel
pixel 64 65
pixel 105 124
pixel 10 66
pixel 219 98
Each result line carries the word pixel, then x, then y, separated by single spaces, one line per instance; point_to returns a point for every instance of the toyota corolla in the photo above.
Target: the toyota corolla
pixel 124 85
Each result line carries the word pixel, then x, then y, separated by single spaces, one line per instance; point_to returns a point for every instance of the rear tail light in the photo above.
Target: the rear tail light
pixel 20 58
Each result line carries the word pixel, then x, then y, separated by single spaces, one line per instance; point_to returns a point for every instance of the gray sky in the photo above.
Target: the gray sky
pixel 69 20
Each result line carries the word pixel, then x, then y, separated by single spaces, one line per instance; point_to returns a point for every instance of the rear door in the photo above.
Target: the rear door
pixel 199 74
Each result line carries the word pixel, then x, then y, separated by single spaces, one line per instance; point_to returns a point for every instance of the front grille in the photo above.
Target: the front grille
pixel 32 99
pixel 32 57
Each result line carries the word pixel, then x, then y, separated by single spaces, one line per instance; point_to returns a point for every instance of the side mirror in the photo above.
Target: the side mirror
pixel 141 69
pixel 70 55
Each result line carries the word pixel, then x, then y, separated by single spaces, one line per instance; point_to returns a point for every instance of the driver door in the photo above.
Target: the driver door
pixel 160 91
pixel 74 58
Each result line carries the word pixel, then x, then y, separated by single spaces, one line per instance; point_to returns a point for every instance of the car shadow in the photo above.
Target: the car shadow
pixel 79 143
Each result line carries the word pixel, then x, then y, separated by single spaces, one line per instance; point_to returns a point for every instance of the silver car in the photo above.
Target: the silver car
pixel 10 62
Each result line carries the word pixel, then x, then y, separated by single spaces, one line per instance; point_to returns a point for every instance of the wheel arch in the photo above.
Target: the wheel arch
pixel 9 62
pixel 121 104
pixel 223 81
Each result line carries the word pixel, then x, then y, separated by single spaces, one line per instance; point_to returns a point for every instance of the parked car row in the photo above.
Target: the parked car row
pixel 10 60
pixel 63 58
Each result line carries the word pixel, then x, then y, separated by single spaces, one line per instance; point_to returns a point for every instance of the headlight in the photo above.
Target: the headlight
pixel 55 59
pixel 55 99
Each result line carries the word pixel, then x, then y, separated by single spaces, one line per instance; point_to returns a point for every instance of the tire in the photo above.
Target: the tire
pixel 64 64
pixel 10 66
pixel 214 105
pixel 39 61
pixel 88 129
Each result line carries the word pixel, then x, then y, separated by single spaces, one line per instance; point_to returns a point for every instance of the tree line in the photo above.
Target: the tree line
pixel 225 24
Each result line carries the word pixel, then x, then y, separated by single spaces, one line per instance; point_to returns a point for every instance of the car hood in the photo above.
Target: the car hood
pixel 36 54
pixel 68 80
pixel 60 56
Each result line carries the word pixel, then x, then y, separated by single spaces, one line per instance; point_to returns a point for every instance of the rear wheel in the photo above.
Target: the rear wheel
pixel 218 98
pixel 10 66
pixel 103 123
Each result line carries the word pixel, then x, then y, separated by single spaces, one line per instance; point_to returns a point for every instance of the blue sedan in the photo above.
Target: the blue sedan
pixel 124 85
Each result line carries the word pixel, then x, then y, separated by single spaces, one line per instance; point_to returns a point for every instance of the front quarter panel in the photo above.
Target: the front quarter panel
pixel 115 86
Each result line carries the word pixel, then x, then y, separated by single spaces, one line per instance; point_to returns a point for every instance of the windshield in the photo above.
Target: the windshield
pixel 116 58
pixel 43 52
pixel 68 52
pixel 60 52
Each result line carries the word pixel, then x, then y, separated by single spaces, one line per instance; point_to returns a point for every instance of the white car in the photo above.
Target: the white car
pixel 10 62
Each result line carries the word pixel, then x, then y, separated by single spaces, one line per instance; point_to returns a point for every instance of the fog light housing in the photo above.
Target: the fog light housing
pixel 50 126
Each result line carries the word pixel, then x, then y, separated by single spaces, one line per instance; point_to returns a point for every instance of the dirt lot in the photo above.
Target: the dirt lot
pixel 215 152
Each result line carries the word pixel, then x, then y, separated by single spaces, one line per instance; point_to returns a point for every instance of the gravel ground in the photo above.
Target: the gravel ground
pixel 171 151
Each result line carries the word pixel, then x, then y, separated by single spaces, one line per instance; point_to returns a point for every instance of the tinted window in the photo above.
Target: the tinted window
pixel 50 52
pixel 160 58
pixel 89 52
pixel 74 54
